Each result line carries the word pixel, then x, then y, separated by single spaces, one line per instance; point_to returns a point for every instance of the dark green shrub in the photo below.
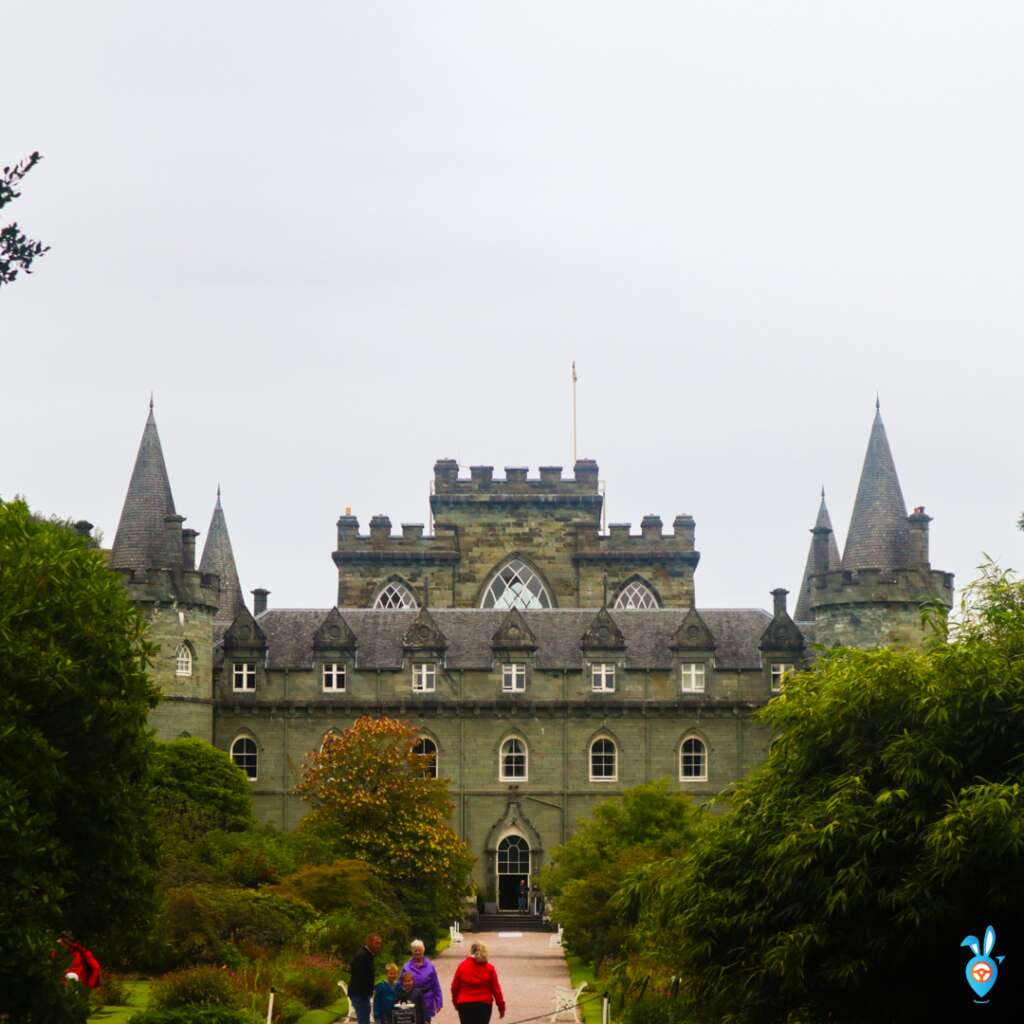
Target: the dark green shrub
pixel 207 924
pixel 205 777
pixel 342 885
pixel 655 1009
pixel 196 1015
pixel 196 986
pixel 316 987
pixel 258 857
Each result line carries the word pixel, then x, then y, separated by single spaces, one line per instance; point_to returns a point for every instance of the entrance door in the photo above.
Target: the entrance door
pixel 513 870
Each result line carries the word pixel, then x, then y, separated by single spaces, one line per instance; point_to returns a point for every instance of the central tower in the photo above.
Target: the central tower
pixel 516 541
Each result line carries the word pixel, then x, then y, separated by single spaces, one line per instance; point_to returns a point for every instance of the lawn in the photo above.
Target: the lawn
pixel 327 1015
pixel 590 1002
pixel 139 996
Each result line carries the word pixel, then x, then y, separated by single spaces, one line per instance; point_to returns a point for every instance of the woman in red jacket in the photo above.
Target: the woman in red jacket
pixel 475 986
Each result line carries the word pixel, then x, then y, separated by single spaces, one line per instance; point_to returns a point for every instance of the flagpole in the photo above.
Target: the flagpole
pixel 574 412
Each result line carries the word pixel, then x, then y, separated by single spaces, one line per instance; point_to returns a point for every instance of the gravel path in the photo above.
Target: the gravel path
pixel 528 966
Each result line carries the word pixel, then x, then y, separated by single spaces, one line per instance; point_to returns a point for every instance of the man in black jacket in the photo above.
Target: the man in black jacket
pixel 360 985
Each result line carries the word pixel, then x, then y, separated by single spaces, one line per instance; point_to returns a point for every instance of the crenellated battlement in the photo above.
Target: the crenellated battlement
pixel 517 484
pixel 381 545
pixel 650 544
pixel 167 586
pixel 881 586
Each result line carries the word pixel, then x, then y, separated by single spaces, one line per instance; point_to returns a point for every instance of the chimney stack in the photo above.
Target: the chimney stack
pixel 821 535
pixel 779 599
pixel 259 600
pixel 173 542
pixel 188 550
pixel 919 538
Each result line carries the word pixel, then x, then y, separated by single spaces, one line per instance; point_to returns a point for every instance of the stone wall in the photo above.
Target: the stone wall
pixel 469 719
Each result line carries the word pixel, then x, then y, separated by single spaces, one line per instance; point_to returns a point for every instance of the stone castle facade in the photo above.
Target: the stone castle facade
pixel 547 665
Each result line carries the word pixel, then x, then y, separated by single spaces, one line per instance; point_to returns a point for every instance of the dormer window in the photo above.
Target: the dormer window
pixel 424 677
pixel 516 585
pixel 692 676
pixel 243 676
pixel 779 671
pixel 334 678
pixel 602 677
pixel 513 678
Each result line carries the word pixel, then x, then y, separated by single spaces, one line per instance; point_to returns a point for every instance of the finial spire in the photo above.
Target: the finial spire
pixel 218 494
pixel 140 539
pixel 879 536
pixel 151 401
pixel 219 559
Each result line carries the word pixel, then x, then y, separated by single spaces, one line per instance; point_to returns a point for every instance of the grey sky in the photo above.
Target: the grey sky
pixel 341 240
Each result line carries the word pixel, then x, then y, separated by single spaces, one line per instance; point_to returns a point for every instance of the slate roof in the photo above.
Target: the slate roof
pixel 879 535
pixel 220 559
pixel 558 631
pixel 139 541
pixel 824 520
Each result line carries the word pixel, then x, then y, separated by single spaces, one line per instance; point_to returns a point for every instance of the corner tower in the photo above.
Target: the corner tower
pixel 155 558
pixel 876 597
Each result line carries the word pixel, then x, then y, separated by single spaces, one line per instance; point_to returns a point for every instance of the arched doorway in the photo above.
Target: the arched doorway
pixel 513 870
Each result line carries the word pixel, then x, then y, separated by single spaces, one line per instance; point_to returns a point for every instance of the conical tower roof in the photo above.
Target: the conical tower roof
pixel 824 521
pixel 879 535
pixel 218 558
pixel 139 541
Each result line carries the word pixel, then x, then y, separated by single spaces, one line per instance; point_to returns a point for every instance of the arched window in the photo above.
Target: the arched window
pixel 516 585
pixel 636 594
pixel 395 595
pixel 693 760
pixel 513 856
pixel 183 661
pixel 243 753
pixel 513 760
pixel 604 761
pixel 426 748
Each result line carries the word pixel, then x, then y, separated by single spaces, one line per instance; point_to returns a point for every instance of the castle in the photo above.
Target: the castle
pixel 547 665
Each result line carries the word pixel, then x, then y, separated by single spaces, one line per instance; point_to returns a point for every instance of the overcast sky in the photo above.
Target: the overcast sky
pixel 342 240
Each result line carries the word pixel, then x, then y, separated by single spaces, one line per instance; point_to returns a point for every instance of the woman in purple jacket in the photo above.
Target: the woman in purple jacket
pixel 425 976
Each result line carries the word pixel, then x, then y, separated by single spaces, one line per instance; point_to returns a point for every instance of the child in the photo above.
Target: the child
pixel 408 1008
pixel 384 996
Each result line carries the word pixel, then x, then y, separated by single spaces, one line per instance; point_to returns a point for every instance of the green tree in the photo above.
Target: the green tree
pixel 648 822
pixel 76 848
pixel 887 824
pixel 17 250
pixel 374 800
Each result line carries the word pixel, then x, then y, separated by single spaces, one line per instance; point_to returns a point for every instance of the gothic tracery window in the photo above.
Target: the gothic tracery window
pixel 516 585
pixel 395 595
pixel 183 661
pixel 636 595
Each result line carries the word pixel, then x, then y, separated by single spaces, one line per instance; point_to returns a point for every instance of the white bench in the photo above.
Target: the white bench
pixel 556 939
pixel 455 932
pixel 565 1001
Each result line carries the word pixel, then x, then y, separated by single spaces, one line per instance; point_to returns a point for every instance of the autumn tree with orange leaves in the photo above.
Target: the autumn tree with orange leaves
pixel 373 799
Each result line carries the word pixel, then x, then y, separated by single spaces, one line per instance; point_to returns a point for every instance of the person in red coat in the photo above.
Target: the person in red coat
pixel 475 987
pixel 85 968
